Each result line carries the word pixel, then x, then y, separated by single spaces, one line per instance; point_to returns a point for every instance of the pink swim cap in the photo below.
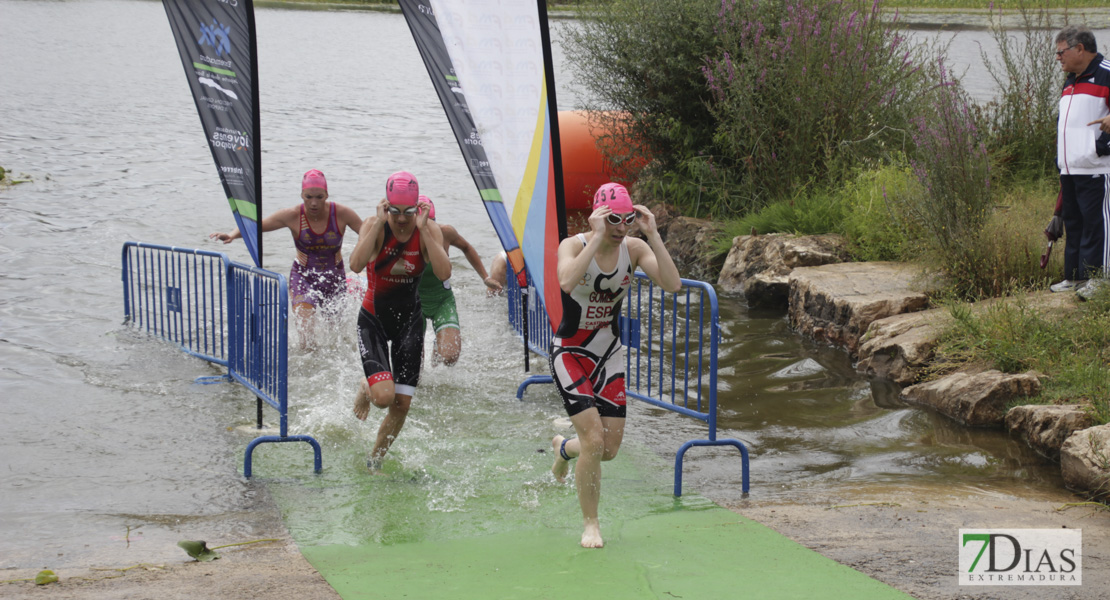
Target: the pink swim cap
pixel 615 196
pixel 314 179
pixel 401 189
pixel 432 212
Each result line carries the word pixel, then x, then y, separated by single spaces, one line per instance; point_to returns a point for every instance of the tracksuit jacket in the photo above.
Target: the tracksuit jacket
pixel 1083 155
pixel 1083 149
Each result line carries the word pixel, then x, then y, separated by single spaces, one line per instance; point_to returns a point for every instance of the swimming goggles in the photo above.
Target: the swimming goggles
pixel 409 211
pixel 615 219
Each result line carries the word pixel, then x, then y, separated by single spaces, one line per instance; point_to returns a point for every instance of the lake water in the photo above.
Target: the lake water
pixel 103 431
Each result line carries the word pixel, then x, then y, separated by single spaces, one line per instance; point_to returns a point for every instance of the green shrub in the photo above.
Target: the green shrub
pixel 739 103
pixel 951 163
pixel 640 62
pixel 863 210
pixel 873 225
pixel 1021 123
pixel 806 90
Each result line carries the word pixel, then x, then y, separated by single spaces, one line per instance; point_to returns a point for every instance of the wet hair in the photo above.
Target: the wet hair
pixel 1073 35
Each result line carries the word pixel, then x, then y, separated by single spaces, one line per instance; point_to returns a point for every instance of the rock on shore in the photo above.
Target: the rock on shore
pixel 837 303
pixel 974 399
pixel 760 265
pixel 1085 461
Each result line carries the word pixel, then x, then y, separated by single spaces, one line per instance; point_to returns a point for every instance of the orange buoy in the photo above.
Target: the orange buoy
pixel 584 167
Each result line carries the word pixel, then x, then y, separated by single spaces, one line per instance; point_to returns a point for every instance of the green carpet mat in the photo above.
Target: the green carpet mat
pixel 468 509
pixel 698 554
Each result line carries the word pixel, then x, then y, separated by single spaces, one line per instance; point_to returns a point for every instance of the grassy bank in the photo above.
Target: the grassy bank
pixel 1071 350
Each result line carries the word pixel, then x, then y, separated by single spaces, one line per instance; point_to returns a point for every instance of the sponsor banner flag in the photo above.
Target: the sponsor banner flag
pixel 486 62
pixel 216 41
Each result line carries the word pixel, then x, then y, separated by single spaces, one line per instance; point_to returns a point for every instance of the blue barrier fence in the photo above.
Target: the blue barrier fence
pixel 539 332
pixel 178 295
pixel 671 343
pixel 227 313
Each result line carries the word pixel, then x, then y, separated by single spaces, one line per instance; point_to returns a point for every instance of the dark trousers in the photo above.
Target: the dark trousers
pixel 1086 214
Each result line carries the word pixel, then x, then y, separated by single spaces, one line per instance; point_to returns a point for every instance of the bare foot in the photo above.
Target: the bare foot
pixel 362 402
pixel 561 466
pixel 591 536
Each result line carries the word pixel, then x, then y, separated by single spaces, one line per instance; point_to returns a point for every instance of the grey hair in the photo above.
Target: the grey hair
pixel 1074 35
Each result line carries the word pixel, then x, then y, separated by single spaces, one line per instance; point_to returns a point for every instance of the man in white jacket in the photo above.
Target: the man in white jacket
pixel 1083 155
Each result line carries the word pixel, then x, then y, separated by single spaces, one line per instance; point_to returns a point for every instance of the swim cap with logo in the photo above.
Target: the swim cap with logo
pixel 313 178
pixel 401 189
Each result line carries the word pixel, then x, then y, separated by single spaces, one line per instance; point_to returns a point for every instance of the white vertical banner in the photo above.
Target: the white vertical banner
pixel 496 53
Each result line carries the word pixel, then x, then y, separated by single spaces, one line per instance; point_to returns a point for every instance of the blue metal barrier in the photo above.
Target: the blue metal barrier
pixel 670 345
pixel 227 313
pixel 539 328
pixel 178 295
pixel 259 335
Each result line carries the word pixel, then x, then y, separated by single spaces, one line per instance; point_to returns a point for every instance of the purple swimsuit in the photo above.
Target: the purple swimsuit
pixel 318 275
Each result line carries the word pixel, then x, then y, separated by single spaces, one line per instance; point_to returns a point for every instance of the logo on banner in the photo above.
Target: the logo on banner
pixel 480 166
pixel 212 84
pixel 232 176
pixel 217 36
pixel 522 22
pixel 229 139
pixel 1021 557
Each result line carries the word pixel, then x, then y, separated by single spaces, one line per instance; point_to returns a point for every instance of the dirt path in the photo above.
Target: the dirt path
pixel 270 570
pixel 908 538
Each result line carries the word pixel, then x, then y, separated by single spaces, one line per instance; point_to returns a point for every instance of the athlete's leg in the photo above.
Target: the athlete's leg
pixel 445 319
pixel 406 355
pixel 587 473
pixel 381 394
pixel 613 432
pixel 448 345
pixel 562 465
pixel 377 386
pixel 391 426
pixel 306 314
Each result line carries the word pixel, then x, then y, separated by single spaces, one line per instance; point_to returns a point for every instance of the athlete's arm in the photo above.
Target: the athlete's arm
pixel 652 256
pixel 286 217
pixel 453 238
pixel 498 274
pixel 347 217
pixel 371 235
pixel 574 258
pixel 431 238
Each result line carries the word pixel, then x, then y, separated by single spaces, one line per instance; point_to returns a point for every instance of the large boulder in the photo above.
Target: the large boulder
pixel 974 399
pixel 759 265
pixel 899 347
pixel 1085 461
pixel 1046 427
pixel 836 303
